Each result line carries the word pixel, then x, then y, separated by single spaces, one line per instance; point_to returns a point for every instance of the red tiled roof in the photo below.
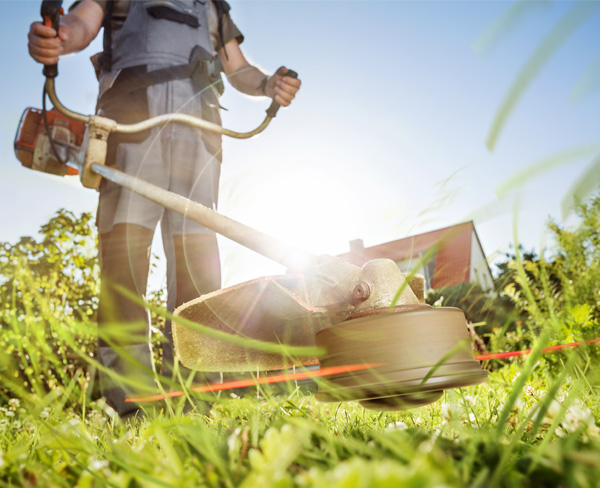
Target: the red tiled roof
pixel 453 260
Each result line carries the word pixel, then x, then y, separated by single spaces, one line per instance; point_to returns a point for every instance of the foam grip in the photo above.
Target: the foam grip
pixel 50 11
pixel 273 109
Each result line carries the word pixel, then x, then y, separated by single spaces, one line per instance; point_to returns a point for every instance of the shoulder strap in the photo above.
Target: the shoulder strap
pixel 223 8
pixel 138 77
pixel 107 39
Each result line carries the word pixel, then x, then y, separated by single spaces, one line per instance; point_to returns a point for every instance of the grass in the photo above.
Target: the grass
pixel 486 435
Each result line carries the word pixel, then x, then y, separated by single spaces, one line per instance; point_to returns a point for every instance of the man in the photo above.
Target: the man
pixel 158 58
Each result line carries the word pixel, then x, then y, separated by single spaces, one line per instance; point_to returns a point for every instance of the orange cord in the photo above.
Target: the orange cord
pixel 258 381
pixel 330 371
pixel 501 355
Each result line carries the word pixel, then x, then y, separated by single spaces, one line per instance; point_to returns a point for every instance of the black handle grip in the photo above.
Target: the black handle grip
pixel 51 10
pixel 272 110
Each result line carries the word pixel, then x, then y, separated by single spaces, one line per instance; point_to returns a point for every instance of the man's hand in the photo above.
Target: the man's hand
pixel 252 81
pixel 44 45
pixel 76 30
pixel 282 88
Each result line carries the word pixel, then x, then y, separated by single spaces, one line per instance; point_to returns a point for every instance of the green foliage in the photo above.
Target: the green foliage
pixel 577 262
pixel 557 298
pixel 60 269
pixel 49 290
pixel 560 294
pixel 480 307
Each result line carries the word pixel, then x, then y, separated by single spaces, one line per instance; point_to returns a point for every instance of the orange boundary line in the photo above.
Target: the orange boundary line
pixel 258 381
pixel 500 355
pixel 328 372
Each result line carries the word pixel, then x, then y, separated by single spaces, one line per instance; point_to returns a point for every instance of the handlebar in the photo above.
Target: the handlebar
pixel 163 119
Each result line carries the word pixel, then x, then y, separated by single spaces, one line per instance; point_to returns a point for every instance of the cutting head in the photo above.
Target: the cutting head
pixel 414 350
pixel 287 309
pixel 418 351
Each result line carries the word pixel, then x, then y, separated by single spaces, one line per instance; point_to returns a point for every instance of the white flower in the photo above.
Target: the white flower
pixel 551 413
pixel 397 426
pixel 448 411
pixel 577 417
pixel 97 464
pixel 110 411
pixel 470 400
pixel 13 403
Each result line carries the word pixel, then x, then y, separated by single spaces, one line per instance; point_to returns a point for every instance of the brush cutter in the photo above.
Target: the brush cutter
pixel 374 315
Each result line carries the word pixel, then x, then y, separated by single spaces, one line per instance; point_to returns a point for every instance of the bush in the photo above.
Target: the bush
pixel 49 291
pixel 558 297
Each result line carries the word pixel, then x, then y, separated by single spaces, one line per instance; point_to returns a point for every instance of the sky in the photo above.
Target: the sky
pixel 387 137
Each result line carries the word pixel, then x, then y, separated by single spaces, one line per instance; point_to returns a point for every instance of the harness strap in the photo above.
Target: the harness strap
pixel 106 58
pixel 223 8
pixel 136 78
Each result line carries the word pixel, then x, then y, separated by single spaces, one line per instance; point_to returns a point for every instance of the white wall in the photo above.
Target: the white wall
pixel 480 272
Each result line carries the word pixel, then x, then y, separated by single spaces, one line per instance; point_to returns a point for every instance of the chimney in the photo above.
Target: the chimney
pixel 357 245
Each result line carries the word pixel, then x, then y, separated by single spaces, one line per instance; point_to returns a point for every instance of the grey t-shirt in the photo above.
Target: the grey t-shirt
pixel 230 30
pixel 121 8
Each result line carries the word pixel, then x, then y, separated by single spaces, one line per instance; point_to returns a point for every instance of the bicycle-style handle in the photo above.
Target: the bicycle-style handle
pixel 51 11
pixel 272 110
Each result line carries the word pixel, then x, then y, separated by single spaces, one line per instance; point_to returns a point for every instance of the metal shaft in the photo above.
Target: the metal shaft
pixel 264 244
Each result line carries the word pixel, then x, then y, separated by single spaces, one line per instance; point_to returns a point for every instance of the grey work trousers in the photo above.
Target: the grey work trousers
pixel 176 158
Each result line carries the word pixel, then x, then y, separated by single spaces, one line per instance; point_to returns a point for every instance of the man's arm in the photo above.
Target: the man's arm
pixel 77 29
pixel 252 81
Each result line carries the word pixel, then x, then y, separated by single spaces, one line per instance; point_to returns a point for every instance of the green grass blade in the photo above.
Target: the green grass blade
pixel 583 186
pixel 576 16
pixel 546 164
pixel 589 83
pixel 505 23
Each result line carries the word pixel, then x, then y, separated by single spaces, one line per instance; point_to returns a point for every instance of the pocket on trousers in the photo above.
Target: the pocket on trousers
pixel 125 108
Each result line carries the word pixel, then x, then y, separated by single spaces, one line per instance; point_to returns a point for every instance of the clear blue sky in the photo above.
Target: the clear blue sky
pixel 386 138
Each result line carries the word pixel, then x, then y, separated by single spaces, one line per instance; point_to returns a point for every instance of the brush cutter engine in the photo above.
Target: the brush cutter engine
pixel 33 144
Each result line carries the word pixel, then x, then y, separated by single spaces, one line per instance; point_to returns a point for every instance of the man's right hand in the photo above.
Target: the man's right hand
pixel 44 45
pixel 76 30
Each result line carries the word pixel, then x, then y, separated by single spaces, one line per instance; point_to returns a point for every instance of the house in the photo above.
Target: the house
pixel 445 257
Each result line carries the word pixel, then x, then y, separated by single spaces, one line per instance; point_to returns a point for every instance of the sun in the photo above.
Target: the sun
pixel 307 207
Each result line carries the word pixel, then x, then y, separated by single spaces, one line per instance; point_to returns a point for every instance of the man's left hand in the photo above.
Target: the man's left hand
pixel 282 88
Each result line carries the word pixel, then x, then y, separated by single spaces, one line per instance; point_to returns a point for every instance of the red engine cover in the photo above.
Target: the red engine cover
pixel 30 127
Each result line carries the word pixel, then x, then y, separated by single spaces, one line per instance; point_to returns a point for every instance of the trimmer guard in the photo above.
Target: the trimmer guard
pixel 272 309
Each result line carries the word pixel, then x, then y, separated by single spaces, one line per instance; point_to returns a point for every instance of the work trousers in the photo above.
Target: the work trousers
pixel 177 158
pixel 193 269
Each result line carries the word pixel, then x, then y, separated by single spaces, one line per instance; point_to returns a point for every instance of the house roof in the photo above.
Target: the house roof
pixel 450 248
